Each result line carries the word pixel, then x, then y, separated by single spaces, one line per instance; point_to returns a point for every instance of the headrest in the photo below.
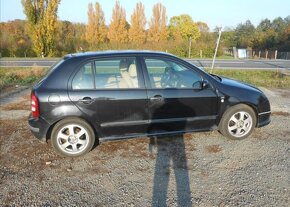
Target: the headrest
pixel 123 65
pixel 132 70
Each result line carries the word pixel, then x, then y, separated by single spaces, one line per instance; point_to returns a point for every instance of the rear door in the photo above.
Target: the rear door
pixel 177 101
pixel 111 93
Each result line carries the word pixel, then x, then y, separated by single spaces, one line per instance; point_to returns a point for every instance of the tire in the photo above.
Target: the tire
pixel 72 137
pixel 238 122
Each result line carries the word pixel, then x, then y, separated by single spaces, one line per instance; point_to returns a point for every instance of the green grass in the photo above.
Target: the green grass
pixel 260 78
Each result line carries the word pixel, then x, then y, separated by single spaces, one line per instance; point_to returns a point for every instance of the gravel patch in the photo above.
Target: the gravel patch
pixel 198 169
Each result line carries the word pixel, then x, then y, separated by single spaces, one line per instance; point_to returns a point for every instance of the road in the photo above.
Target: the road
pixel 203 63
pixel 242 64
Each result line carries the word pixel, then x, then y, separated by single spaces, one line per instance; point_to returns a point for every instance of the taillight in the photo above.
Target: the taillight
pixel 34 106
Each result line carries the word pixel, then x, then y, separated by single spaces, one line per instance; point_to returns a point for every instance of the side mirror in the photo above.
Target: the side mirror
pixel 197 85
pixel 205 84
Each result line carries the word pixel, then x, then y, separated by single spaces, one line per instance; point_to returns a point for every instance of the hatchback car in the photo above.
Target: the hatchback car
pixel 90 98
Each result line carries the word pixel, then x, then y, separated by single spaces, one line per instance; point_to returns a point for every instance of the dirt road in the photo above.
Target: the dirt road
pixel 200 169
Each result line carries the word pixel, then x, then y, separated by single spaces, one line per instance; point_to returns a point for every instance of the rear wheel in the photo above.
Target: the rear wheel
pixel 238 122
pixel 72 137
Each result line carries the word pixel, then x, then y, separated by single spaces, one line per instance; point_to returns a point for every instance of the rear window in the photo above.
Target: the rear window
pixel 51 69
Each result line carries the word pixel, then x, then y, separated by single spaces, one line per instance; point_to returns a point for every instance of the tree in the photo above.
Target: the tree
pixel 268 34
pixel 264 25
pixel 285 39
pixel 14 40
pixel 202 26
pixel 279 25
pixel 42 22
pixel 96 29
pixel 157 26
pixel 118 29
pixel 138 21
pixel 244 34
pixel 183 27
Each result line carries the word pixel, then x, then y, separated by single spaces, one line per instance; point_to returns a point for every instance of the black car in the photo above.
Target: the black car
pixel 89 98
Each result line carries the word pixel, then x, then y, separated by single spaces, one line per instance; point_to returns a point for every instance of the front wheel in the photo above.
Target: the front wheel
pixel 72 137
pixel 238 122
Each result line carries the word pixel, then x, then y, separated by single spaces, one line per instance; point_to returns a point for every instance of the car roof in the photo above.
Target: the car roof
pixel 116 52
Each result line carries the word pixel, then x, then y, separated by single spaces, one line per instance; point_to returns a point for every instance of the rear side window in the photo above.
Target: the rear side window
pixel 84 79
pixel 116 73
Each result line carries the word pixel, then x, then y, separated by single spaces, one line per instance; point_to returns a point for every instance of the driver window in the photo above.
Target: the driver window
pixel 168 74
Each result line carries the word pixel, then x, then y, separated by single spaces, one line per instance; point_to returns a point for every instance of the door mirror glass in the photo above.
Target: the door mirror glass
pixel 205 83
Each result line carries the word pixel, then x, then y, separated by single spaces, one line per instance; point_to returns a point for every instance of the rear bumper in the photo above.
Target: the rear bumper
pixel 39 127
pixel 264 119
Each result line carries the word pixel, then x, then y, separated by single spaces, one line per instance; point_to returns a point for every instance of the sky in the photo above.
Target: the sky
pixel 225 13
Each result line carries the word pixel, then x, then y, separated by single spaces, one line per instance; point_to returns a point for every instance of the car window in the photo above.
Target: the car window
pixel 116 73
pixel 84 78
pixel 168 74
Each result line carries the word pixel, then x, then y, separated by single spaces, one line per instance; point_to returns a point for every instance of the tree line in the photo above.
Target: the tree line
pixel 42 34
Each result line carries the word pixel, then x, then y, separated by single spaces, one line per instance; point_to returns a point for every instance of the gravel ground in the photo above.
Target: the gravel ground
pixel 199 169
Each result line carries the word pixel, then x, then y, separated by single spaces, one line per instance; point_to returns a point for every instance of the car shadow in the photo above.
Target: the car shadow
pixel 171 158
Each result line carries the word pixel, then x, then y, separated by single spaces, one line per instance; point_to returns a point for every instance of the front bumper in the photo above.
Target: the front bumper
pixel 39 127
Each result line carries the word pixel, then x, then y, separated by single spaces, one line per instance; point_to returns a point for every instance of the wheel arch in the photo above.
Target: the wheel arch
pixel 251 105
pixel 96 131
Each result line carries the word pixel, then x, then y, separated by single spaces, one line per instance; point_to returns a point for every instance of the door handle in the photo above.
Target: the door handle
pixel 86 100
pixel 156 98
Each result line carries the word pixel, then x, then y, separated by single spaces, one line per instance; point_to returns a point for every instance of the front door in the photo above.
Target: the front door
pixel 177 101
pixel 111 93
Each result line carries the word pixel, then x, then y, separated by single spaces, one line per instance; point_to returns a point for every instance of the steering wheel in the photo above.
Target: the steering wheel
pixel 170 78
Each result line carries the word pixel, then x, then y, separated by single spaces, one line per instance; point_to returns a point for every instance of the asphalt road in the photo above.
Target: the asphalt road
pixel 203 63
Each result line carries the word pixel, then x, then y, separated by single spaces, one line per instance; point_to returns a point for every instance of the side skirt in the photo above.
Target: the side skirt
pixel 132 136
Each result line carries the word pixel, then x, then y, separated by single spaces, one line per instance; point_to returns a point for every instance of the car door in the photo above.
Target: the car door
pixel 111 93
pixel 177 99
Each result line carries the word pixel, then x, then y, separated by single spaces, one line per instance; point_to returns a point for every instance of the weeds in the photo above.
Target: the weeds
pixel 20 76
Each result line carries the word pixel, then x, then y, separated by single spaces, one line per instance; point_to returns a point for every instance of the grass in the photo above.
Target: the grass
pixel 260 78
pixel 10 77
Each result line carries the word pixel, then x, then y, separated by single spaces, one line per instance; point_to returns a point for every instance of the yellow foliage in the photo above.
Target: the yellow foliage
pixel 96 29
pixel 138 21
pixel 42 19
pixel 118 32
pixel 157 26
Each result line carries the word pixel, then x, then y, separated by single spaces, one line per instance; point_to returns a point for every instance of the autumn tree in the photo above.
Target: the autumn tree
pixel 42 22
pixel 96 29
pixel 138 21
pixel 66 38
pixel 118 29
pixel 202 26
pixel 183 27
pixel 157 25
pixel 14 40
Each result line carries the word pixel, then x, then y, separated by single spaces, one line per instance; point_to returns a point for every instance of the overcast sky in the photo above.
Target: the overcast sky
pixel 213 12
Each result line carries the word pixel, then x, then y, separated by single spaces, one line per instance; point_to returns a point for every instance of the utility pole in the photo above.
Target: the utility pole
pixel 189 48
pixel 216 48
